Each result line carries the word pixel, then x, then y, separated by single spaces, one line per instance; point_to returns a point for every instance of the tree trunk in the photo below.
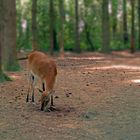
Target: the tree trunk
pixel 114 17
pixel 10 55
pixel 1 30
pixel 105 27
pixel 3 77
pixel 88 37
pixel 125 30
pixel 139 24
pixel 53 33
pixel 34 25
pixel 19 26
pixel 132 26
pixel 61 32
pixel 77 35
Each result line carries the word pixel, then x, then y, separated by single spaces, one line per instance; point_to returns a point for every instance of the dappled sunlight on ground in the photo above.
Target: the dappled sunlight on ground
pixel 123 54
pixel 127 67
pixel 137 81
pixel 15 76
pixel 86 58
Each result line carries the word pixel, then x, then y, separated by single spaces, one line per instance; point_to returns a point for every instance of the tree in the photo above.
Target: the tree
pixel 61 32
pixel 19 24
pixel 114 16
pixel 132 26
pixel 53 33
pixel 3 77
pixel 139 23
pixel 51 27
pixel 87 26
pixel 34 25
pixel 125 30
pixel 77 35
pixel 1 27
pixel 9 44
pixel 105 26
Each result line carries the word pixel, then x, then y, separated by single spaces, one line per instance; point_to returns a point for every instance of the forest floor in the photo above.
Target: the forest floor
pixel 97 97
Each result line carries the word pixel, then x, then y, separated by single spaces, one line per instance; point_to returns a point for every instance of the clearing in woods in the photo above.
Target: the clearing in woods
pixel 97 97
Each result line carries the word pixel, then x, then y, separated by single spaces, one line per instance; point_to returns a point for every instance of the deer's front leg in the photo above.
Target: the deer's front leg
pixel 29 87
pixel 33 87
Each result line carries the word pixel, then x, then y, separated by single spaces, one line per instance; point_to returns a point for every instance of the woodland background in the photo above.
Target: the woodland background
pixel 67 25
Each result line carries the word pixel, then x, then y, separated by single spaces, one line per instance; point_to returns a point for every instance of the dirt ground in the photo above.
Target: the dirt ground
pixel 97 97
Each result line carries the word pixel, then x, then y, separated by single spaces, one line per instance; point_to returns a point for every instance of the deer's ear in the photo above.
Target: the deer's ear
pixel 40 91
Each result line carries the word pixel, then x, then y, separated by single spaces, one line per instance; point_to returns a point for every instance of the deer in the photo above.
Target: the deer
pixel 41 66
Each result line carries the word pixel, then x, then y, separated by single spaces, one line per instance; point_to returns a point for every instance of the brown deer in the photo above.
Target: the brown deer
pixel 42 67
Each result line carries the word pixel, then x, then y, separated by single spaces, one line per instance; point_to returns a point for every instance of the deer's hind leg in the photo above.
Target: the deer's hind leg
pixel 34 81
pixel 29 87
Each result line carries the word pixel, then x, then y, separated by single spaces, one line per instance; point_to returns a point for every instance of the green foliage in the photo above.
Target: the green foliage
pixel 117 45
pixel 24 38
pixel 12 67
pixel 89 12
pixel 83 46
pixel 43 24
pixel 69 46
pixel 4 77
pixel 23 19
pixel 44 46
